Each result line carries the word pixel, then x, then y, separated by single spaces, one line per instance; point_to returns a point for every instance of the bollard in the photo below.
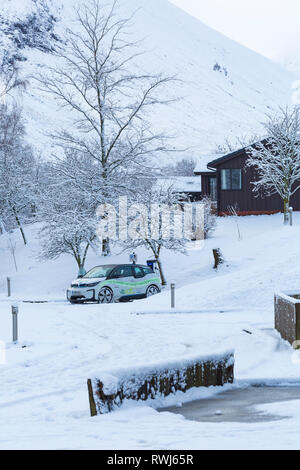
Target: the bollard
pixel 291 216
pixel 8 287
pixel 14 311
pixel 172 294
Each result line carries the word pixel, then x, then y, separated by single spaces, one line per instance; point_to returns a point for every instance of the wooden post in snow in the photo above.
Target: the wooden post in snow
pixel 15 311
pixel 172 294
pixel 218 257
pixel 8 287
pixel 291 216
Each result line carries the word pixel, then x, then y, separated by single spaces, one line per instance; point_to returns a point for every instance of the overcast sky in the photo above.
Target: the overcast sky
pixel 271 27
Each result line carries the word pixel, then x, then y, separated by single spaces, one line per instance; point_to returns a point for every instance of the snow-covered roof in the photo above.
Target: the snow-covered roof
pixel 204 160
pixel 183 184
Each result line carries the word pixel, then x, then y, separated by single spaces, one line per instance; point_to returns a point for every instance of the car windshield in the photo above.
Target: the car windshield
pixel 99 271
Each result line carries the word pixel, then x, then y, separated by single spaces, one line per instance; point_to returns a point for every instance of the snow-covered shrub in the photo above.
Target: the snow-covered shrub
pixel 210 219
pixel 35 30
pixel 184 167
pixel 217 68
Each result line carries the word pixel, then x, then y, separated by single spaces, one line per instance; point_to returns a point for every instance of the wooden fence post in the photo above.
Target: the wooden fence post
pixel 15 311
pixel 291 216
pixel 172 294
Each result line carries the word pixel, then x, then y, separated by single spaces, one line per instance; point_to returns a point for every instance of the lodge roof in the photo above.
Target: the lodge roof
pixel 213 164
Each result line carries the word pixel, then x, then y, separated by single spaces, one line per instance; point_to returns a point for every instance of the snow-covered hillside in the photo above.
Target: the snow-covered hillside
pixel 226 88
pixel 292 64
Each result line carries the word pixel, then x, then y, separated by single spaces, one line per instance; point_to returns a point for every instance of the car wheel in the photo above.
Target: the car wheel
pixel 152 290
pixel 105 296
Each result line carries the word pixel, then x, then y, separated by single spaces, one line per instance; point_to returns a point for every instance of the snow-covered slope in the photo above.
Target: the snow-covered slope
pixel 43 393
pixel 292 64
pixel 226 88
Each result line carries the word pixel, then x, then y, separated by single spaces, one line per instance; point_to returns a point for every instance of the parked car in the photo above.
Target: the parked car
pixel 115 283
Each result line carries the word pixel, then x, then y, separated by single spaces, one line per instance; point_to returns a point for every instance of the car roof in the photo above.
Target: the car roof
pixel 104 265
pixel 122 264
pixel 133 265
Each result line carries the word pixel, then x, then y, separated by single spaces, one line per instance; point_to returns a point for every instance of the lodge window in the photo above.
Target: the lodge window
pixel 213 188
pixel 231 179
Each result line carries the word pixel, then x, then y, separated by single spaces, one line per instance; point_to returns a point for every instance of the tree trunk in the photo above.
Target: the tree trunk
pixel 162 277
pixel 85 254
pixel 218 257
pixel 286 204
pixel 105 247
pixel 19 225
pixel 81 261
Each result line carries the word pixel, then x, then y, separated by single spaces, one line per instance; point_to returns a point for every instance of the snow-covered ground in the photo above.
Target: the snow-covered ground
pixel 43 393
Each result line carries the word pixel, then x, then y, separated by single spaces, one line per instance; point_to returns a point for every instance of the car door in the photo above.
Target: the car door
pixel 122 278
pixel 139 280
pixel 150 276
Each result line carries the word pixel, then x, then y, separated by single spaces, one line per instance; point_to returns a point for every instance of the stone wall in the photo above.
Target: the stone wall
pixel 109 390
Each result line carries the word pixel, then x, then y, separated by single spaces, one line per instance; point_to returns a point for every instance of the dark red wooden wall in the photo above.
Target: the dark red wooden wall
pixel 245 199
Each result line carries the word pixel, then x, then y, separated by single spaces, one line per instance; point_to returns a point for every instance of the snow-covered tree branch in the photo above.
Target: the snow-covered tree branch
pixel 155 214
pixel 17 170
pixel 96 78
pixel 277 158
pixel 69 220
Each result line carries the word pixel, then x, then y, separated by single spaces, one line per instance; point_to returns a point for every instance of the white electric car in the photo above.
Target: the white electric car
pixel 115 283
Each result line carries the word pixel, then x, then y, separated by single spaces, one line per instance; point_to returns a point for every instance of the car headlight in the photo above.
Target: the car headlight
pixel 78 286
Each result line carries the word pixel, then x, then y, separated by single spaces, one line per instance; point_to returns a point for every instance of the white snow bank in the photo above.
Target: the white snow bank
pixel 44 402
pixel 108 390
pixel 288 296
pixel 124 373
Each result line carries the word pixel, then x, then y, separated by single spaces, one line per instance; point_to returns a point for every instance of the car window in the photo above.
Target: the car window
pixel 122 271
pixel 147 271
pixel 99 271
pixel 138 272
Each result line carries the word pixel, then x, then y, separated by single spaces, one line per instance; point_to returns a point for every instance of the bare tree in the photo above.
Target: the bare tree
pixel 277 158
pixel 69 222
pixel 17 167
pixel 11 245
pixel 210 219
pixel 155 217
pixel 97 78
pixel 9 79
pixel 184 167
pixel 231 145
